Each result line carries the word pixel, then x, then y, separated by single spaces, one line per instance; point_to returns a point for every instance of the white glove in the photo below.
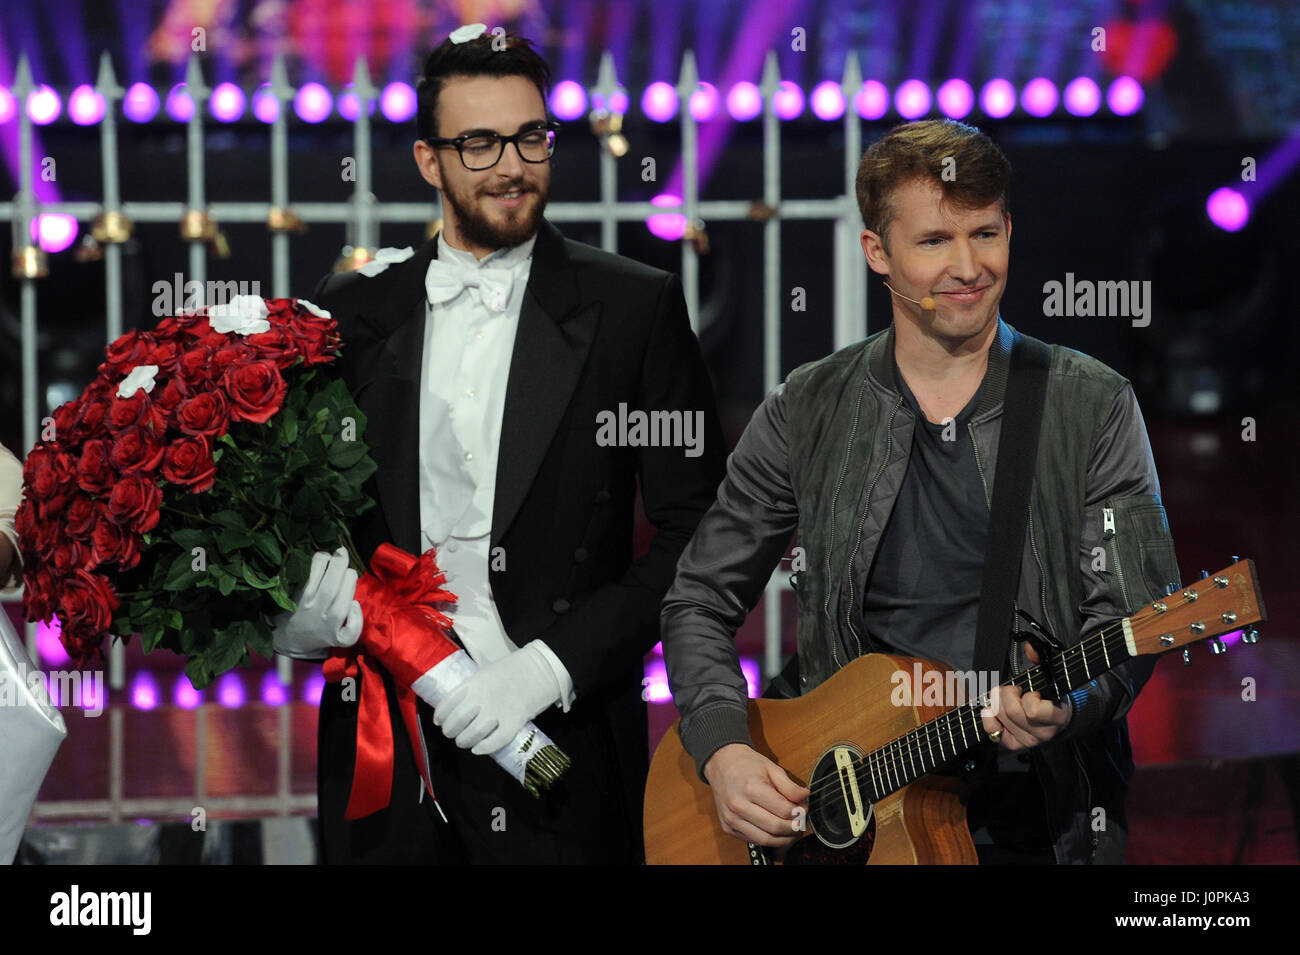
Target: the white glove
pixel 327 617
pixel 487 710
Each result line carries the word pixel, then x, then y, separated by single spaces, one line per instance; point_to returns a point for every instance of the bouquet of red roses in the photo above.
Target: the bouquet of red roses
pixel 182 495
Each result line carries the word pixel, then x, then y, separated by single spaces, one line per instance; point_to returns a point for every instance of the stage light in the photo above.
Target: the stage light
pixel 48 644
pixel 184 695
pixel 398 102
pixel 313 103
pixel 1125 96
pixel 180 105
pixel 230 690
pixel 43 105
pixel 655 684
pixel 787 101
pixel 568 100
pixel 704 102
pixel 144 691
pixel 350 104
pixel 827 100
pixel 1082 96
pixel 54 231
pixel 265 106
pixel 749 667
pixel 872 101
pixel 227 103
pixel 912 99
pixel 667 225
pixel 956 99
pixel 658 649
pixel 1228 209
pixel 1039 97
pixel 85 106
pixel 659 102
pixel 618 102
pixel 8 108
pixel 998 98
pixel 744 101
pixel 140 104
pixel 274 693
pixel 312 689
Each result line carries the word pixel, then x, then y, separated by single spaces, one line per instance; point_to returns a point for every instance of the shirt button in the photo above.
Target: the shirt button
pixel 478 334
pixel 469 455
pixel 580 555
pixel 560 606
pixel 469 392
pixel 602 497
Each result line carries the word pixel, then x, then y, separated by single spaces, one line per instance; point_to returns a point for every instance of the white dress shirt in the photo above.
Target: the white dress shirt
pixel 467 352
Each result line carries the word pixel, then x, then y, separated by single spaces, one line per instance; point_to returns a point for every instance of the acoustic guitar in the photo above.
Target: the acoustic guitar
pixel 869 757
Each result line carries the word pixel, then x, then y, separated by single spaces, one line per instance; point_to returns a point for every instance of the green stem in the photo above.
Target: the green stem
pixel 186 514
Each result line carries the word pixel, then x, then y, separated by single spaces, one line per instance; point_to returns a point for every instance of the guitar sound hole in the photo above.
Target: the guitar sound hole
pixel 829 811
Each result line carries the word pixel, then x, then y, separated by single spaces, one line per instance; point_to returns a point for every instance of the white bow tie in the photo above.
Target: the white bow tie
pixel 444 281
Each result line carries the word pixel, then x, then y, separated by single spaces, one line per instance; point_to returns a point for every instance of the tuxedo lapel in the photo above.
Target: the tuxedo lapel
pixel 556 329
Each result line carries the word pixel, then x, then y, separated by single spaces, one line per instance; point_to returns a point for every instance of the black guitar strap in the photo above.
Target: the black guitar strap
pixel 1022 414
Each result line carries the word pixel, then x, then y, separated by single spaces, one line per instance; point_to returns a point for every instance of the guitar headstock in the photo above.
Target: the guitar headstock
pixel 1216 604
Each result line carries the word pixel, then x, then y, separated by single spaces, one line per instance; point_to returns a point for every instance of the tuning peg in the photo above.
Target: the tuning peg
pixel 1204 574
pixel 1170 589
pixel 1250 635
pixel 1187 656
pixel 1217 647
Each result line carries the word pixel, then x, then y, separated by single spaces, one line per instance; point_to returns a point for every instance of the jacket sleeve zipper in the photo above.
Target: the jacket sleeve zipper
pixel 1108 534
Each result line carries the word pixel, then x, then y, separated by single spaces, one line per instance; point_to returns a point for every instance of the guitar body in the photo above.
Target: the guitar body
pixel 922 823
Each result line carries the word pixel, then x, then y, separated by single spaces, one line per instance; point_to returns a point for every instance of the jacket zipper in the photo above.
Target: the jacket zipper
pixel 844 469
pixel 1108 534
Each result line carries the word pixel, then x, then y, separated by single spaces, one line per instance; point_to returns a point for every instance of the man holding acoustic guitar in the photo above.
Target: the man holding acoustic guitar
pixel 885 458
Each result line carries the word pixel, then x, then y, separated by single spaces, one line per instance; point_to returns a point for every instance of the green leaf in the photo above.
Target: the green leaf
pixel 199 670
pixel 282 598
pixel 268 547
pixel 188 538
pixel 260 638
pixel 179 574
pixel 257 580
pixel 232 539
pixel 344 454
pixel 229 518
pixel 288 421
pixel 226 585
pixel 229 646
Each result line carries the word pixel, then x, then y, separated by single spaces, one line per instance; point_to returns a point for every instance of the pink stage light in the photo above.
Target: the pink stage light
pixel 227 103
pixel 912 99
pixel 568 100
pixel 704 102
pixel 398 102
pixel 1082 96
pixel 184 695
pixel 618 102
pixel 144 691
pixel 1125 96
pixel 1228 209
pixel 655 685
pixel 274 693
pixel 788 101
pixel 313 103
pixel 8 107
pixel 350 104
pixel 54 231
pixel 43 105
pixel 667 225
pixel 140 103
pixel 85 106
pixel 744 101
pixel 749 667
pixel 659 102
pixel 265 106
pixel 956 99
pixel 48 644
pixel 1039 97
pixel 998 98
pixel 180 105
pixel 872 101
pixel 312 689
pixel 230 690
pixel 827 100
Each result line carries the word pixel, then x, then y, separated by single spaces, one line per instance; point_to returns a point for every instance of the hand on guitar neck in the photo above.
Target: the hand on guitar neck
pixel 1025 720
pixel 757 801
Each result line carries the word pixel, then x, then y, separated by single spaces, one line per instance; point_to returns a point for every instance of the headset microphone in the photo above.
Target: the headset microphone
pixel 926 303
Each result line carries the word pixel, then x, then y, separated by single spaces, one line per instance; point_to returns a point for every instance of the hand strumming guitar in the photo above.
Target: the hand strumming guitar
pixel 756 798
pixel 1025 719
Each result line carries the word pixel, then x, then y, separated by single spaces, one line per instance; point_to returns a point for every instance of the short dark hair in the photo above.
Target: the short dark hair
pixel 916 151
pixel 485 55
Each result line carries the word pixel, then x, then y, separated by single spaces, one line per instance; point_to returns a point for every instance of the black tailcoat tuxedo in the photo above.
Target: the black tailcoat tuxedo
pixel 595 330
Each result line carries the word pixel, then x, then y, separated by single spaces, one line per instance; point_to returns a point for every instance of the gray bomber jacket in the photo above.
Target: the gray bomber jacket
pixel 826 453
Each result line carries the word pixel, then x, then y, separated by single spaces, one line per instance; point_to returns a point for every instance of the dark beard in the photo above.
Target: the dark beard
pixel 479 231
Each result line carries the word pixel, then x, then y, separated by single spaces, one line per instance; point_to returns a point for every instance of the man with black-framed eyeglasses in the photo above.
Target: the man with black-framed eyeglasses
pixel 483 361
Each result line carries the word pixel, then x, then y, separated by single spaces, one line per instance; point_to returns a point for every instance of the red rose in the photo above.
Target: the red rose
pixel 124 412
pixel 256 391
pixel 86 607
pixel 134 502
pixel 127 352
pixel 111 542
pixel 169 396
pixel 276 345
pixel 205 413
pixel 94 473
pixel 25 523
pixel 165 355
pixel 188 462
pixel 136 449
pixel 67 556
pixel 196 364
pixel 38 592
pixel 81 516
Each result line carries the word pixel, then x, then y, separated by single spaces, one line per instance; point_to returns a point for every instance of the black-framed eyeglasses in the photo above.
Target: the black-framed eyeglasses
pixel 480 151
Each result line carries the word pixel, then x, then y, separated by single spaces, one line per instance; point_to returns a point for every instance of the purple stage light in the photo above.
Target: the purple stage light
pixel 956 99
pixel 827 100
pixel 397 102
pixel 48 645
pixel 744 101
pixel 43 105
pixel 656 683
pixel 230 690
pixel 618 102
pixel 912 99
pixel 1039 97
pixel 1082 96
pixel 312 689
pixel 144 691
pixel 998 98
pixel 8 108
pixel 265 106
pixel 667 225
pixel 872 101
pixel 140 103
pixel 704 102
pixel 180 105
pixel 313 103
pixel 54 231
pixel 1228 209
pixel 659 102
pixel 184 695
pixel 749 667
pixel 1125 96
pixel 787 101
pixel 274 693
pixel 568 100
pixel 658 649
pixel 85 106
pixel 350 104
pixel 227 103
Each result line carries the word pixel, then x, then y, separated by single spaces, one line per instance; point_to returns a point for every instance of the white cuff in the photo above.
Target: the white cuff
pixel 562 677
